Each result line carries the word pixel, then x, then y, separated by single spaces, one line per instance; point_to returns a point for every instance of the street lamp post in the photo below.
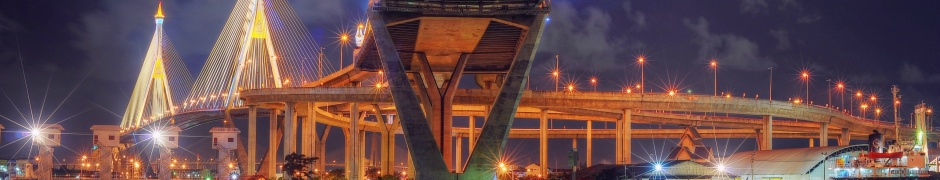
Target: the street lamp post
pixel 642 87
pixel 829 92
pixel 594 84
pixel 342 46
pixel 864 106
pixel 877 113
pixel 771 93
pixel 555 73
pixel 805 76
pixel 714 64
pixel 858 95
pixel 841 94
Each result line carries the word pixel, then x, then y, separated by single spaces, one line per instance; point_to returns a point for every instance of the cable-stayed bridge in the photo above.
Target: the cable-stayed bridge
pixel 407 65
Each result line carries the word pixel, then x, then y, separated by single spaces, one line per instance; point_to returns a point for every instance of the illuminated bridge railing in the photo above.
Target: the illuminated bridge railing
pixel 465 7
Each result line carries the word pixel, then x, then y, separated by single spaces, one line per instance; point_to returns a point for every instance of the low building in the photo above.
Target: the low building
pixel 676 169
pixel 532 170
pixel 797 163
pixel 16 168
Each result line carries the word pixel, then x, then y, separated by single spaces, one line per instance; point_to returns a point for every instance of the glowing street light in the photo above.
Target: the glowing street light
pixel 877 113
pixel 864 107
pixel 841 88
pixel 805 77
pixel 594 83
pixel 714 65
pixel 343 39
pixel 556 74
pixel 658 167
pixel 858 97
pixel 570 88
pixel 641 60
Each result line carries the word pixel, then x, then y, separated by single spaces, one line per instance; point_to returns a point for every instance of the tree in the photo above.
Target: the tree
pixel 335 174
pixel 295 165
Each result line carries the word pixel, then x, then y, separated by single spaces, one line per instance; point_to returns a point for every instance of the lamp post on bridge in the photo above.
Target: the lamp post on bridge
pixel 556 74
pixel 771 89
pixel 642 85
pixel 858 96
pixel 863 108
pixel 841 93
pixel 594 83
pixel 805 76
pixel 714 65
pixel 829 92
pixel 343 39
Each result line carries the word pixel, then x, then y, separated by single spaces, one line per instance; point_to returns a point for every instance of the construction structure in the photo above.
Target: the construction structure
pixel 46 137
pixel 106 139
pixel 225 140
pixel 165 139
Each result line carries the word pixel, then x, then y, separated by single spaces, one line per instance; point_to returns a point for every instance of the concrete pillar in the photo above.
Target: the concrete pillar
pixel 271 166
pixel 321 149
pixel 252 140
pixel 812 142
pixel 290 128
pixel 388 152
pixel 590 143
pixel 471 136
pixel 458 156
pixel 543 142
pixel 309 135
pixel 360 159
pixel 823 134
pixel 352 147
pixel 768 133
pixel 623 139
pixel 846 138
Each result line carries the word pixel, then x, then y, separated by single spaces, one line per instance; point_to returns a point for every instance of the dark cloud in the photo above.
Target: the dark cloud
pixel 809 18
pixel 7 24
pixel 753 6
pixel 637 17
pixel 869 78
pixel 585 35
pixel 782 37
pixel 324 11
pixel 732 50
pixel 913 74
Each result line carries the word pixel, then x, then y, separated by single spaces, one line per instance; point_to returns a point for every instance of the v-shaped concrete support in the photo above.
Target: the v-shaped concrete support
pixel 489 147
pixel 423 148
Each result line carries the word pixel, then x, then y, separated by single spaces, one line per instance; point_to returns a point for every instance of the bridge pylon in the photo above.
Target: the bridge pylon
pixel 161 84
pixel 262 45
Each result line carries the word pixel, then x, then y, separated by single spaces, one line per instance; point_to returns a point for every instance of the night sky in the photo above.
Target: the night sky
pixel 81 58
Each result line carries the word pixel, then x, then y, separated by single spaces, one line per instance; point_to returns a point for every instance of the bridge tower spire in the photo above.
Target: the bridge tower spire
pixel 153 97
pixel 262 45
